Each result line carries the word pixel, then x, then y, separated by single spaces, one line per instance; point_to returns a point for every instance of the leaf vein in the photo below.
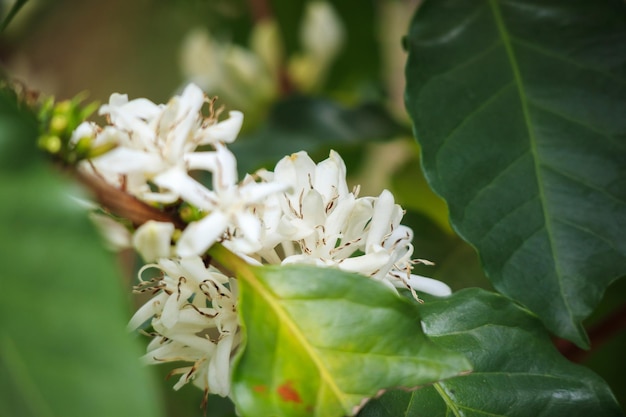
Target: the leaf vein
pixel 565 59
pixel 506 39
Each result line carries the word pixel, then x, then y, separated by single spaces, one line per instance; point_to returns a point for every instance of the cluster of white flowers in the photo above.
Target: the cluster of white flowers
pixel 301 212
pixel 250 77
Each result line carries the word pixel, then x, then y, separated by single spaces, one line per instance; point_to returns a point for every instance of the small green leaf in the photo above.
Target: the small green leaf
pixel 519 108
pixel 64 350
pixel 320 341
pixel 517 370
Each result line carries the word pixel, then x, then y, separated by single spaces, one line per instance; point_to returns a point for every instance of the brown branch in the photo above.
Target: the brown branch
pixel 599 334
pixel 262 10
pixel 124 205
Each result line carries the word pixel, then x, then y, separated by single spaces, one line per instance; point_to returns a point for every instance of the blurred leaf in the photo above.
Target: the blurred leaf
pixel 15 8
pixel 517 370
pixel 358 64
pixel 519 107
pixel 305 123
pixel 320 341
pixel 18 135
pixel 64 350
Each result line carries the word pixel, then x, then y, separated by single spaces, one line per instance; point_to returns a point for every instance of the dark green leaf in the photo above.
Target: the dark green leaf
pixel 320 341
pixel 18 134
pixel 309 124
pixel 64 350
pixel 519 107
pixel 517 370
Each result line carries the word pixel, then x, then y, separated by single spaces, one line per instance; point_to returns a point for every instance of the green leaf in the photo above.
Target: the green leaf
pixel 64 350
pixel 517 370
pixel 320 341
pixel 18 135
pixel 519 108
pixel 310 124
pixel 15 8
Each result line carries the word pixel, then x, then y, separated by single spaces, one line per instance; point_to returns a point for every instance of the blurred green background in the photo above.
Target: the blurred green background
pixel 64 47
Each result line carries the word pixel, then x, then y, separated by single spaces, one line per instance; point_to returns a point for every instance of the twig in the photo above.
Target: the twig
pixel 598 335
pixel 261 10
pixel 125 205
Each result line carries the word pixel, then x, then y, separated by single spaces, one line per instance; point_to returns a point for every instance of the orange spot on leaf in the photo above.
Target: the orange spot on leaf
pixel 259 388
pixel 288 393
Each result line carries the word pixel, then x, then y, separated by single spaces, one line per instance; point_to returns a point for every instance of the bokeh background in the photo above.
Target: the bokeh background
pixel 307 76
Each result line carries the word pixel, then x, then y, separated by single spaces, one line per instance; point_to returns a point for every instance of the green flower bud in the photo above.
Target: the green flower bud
pixel 58 124
pixel 50 143
pixel 189 213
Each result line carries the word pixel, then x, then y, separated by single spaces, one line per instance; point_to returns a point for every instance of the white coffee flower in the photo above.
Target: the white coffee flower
pixel 185 329
pixel 231 209
pixel 153 240
pixel 324 224
pixel 158 142
pixel 302 213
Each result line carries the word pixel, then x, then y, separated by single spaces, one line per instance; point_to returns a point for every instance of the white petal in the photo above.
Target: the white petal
pixel 330 177
pixel 358 219
pixel 225 175
pixel 133 116
pixel 115 234
pixel 219 367
pixel 147 311
pixel 206 161
pixel 249 225
pixel 338 217
pixel 365 264
pixel 169 315
pixel 124 161
pixel 187 116
pixel 429 285
pixel 322 32
pixel 196 271
pixel 297 171
pixel 401 235
pixel 313 209
pixel 381 219
pixel 200 235
pixel 153 240
pixel 141 108
pixel 85 129
pixel 190 190
pixel 254 192
pixel 225 131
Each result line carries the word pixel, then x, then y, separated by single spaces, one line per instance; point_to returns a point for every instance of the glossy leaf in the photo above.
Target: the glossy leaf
pixel 519 108
pixel 64 350
pixel 311 124
pixel 517 370
pixel 320 341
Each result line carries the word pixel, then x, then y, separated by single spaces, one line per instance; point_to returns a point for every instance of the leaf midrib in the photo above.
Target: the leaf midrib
pixel 507 43
pixel 249 276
